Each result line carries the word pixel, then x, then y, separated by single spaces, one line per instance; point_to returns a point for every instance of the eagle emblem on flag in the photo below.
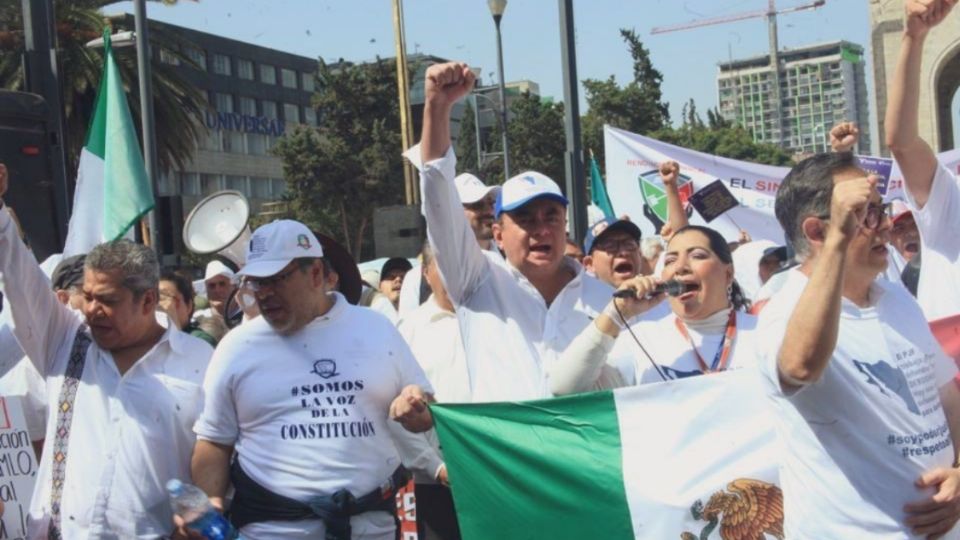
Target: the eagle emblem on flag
pixel 749 510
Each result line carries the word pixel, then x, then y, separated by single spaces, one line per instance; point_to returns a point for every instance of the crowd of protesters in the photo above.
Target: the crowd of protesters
pixel 298 397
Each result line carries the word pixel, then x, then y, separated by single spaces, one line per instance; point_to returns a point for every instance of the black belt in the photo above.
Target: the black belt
pixel 253 503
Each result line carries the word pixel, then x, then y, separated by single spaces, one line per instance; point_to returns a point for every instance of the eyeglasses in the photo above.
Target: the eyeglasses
pixel 874 216
pixel 616 246
pixel 258 284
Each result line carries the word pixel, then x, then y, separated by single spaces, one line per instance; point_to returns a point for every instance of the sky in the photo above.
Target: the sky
pixel 359 30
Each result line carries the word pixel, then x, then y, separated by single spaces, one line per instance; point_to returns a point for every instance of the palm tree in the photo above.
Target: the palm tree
pixel 178 105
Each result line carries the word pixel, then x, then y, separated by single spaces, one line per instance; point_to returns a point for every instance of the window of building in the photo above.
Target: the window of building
pixel 257 144
pixel 224 102
pixel 279 187
pixel 268 74
pixel 189 183
pixel 198 57
pixel 237 183
pixel 248 106
pixel 221 64
pixel 310 116
pixel 288 77
pixel 291 113
pixel 169 57
pixel 261 187
pixel 211 141
pixel 165 184
pixel 209 184
pixel 245 69
pixel 307 80
pixel 269 109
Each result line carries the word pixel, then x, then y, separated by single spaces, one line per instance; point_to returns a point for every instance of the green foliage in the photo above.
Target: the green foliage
pixel 721 138
pixel 636 107
pixel 338 173
pixel 537 138
pixel 178 105
pixel 466 148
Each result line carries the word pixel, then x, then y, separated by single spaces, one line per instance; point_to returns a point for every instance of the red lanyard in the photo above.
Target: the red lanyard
pixel 722 357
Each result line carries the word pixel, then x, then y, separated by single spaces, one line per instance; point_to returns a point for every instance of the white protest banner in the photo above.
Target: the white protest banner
pixel 18 469
pixel 635 189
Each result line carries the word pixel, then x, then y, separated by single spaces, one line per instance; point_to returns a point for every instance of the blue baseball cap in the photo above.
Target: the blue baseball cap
pixel 526 187
pixel 606 225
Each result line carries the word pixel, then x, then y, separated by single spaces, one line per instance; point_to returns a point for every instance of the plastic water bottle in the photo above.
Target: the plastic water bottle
pixel 191 503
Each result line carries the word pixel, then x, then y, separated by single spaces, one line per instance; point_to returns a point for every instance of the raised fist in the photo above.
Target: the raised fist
pixel 669 172
pixel 447 83
pixel 843 137
pixel 922 15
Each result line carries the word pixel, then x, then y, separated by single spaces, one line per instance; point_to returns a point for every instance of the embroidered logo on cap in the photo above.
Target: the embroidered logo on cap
pixel 258 246
pixel 303 241
pixel 599 228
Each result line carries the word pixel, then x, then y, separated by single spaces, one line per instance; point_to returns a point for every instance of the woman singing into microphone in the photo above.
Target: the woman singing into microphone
pixel 708 330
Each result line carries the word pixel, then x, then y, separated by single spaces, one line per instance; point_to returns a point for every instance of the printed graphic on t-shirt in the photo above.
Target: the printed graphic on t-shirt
pixel 889 380
pixel 330 406
pixel 909 382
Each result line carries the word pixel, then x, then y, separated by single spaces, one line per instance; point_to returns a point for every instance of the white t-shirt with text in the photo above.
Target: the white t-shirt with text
pixel 308 413
pixel 856 440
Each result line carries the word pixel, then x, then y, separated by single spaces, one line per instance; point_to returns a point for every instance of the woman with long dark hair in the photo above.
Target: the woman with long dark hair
pixel 707 331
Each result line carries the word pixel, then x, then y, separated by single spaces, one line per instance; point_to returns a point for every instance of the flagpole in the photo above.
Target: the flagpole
pixel 144 73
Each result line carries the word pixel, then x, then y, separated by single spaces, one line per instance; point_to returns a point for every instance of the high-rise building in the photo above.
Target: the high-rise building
pixel 821 85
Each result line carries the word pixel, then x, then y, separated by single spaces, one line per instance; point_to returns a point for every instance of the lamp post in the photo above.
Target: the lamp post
pixel 144 73
pixel 497 8
pixel 481 155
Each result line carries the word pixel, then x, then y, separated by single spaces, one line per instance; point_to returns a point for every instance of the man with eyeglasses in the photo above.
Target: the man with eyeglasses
pixel 303 394
pixel 612 248
pixel 477 200
pixel 865 399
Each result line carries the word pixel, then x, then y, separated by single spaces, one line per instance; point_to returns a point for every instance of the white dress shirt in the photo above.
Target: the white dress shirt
pixel 130 434
pixel 510 334
pixel 433 335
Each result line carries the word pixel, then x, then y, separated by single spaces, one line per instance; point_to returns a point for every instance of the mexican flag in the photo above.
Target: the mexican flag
pixel 113 191
pixel 693 459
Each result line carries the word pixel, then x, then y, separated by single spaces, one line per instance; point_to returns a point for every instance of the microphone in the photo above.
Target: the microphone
pixel 672 287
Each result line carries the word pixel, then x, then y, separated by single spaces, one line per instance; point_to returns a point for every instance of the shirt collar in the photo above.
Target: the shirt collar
pixel 172 335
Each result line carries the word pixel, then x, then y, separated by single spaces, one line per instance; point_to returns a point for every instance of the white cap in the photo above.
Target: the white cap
pixel 216 268
pixel 471 189
pixel 524 188
pixel 275 244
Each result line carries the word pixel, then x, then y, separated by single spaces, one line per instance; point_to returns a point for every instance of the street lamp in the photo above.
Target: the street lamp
pixel 497 8
pixel 481 155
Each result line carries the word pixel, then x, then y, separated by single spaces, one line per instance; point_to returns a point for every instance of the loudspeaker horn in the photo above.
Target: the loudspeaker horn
pixel 219 224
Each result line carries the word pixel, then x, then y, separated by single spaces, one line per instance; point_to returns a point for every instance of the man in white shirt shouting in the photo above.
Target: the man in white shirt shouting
pixel 516 315
pixel 124 382
pixel 302 393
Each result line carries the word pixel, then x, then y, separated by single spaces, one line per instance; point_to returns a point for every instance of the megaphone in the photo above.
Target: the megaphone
pixel 218 224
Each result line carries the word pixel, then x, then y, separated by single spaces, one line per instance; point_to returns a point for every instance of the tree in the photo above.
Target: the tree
pixel 537 138
pixel 720 137
pixel 338 173
pixel 466 149
pixel 178 104
pixel 637 107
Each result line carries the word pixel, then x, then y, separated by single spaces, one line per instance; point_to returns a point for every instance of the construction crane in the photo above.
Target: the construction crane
pixel 771 14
